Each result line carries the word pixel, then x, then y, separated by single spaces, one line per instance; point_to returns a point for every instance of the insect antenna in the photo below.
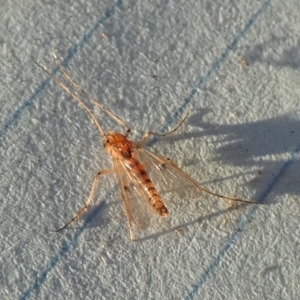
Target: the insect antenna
pixel 77 98
pixel 80 89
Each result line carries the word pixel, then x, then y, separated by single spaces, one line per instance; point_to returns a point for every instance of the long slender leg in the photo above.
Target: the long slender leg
pixel 124 189
pixel 127 213
pixel 89 199
pixel 79 88
pixel 151 133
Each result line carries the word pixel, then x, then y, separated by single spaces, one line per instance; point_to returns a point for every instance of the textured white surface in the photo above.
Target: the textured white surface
pixel 150 61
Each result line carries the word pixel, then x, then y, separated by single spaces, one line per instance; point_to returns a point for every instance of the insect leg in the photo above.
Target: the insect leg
pixel 79 88
pixel 151 133
pixel 89 199
pixel 127 212
pixel 125 188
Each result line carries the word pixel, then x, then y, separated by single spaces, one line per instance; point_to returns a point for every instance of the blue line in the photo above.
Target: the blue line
pixel 229 243
pixel 67 247
pixel 221 255
pixel 217 64
pixel 209 271
pixel 86 38
pixel 215 67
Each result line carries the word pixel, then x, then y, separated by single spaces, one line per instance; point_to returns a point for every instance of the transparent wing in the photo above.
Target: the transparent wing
pixel 173 185
pixel 168 177
pixel 137 208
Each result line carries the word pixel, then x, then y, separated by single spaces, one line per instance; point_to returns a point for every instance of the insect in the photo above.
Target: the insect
pixel 131 162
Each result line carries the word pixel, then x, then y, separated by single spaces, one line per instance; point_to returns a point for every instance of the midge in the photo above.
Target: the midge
pixel 131 164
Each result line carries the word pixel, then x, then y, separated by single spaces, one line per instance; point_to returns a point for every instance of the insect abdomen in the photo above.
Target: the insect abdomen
pixel 142 179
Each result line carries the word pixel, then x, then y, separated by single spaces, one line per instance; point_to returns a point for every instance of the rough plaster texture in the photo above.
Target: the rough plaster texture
pixel 233 65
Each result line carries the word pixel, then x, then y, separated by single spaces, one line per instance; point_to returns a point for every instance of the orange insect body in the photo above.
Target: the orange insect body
pixel 119 147
pixel 131 161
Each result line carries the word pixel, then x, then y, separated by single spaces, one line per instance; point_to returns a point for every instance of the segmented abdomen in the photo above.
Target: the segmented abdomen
pixel 141 177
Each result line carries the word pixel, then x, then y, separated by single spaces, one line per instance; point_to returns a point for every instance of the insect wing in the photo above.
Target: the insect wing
pixel 176 189
pixel 166 176
pixel 173 176
pixel 135 203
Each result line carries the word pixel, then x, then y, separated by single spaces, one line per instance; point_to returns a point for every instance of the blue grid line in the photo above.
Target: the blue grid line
pixel 217 64
pixel 231 240
pixel 86 38
pixel 64 250
pixel 67 246
pixel 246 219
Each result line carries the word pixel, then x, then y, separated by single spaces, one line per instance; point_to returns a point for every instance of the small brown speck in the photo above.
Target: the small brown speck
pixel 244 62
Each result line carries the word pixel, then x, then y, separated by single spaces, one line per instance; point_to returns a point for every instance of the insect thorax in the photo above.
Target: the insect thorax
pixel 117 144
